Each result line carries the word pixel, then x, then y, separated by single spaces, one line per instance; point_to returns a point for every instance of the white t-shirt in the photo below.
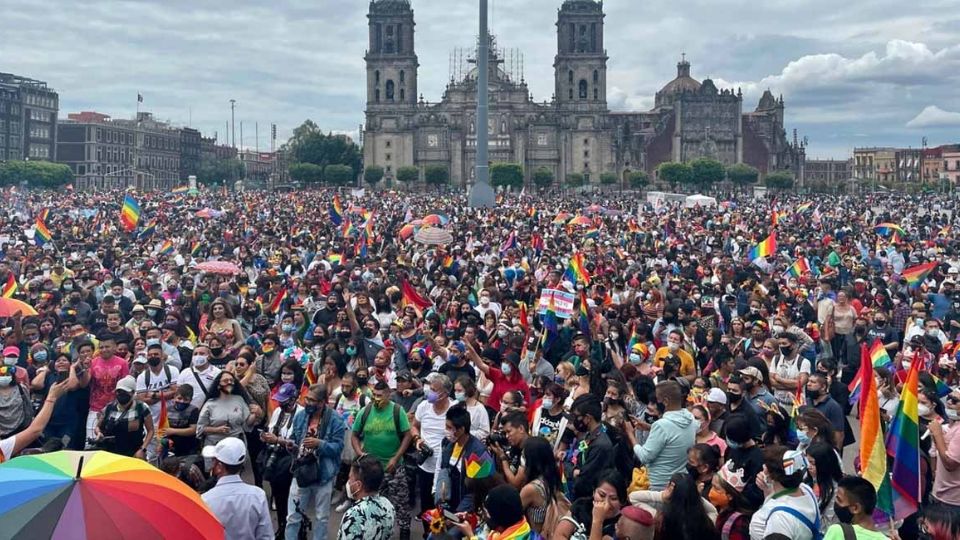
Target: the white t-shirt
pixel 433 427
pixel 789 369
pixel 187 377
pixel 6 448
pixel 766 522
pixel 158 382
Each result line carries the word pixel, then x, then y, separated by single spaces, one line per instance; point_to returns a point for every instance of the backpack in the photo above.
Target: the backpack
pixel 624 458
pixel 166 371
pixel 813 526
pixel 366 414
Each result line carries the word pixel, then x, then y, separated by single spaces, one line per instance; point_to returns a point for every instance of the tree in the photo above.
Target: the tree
pixel 742 174
pixel 408 174
pixel 217 171
pixel 37 174
pixel 306 173
pixel 780 180
pixel 310 145
pixel 436 175
pixel 543 177
pixel 608 178
pixel 509 175
pixel 574 179
pixel 338 175
pixel 638 179
pixel 706 172
pixel 373 174
pixel 675 173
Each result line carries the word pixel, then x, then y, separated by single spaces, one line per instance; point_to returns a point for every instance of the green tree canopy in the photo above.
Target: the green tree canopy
pixel 306 173
pixel 742 174
pixel 37 174
pixel 638 179
pixel 608 178
pixel 780 180
pixel 408 174
pixel 675 173
pixel 508 175
pixel 436 174
pixel 543 177
pixel 338 175
pixel 706 172
pixel 217 171
pixel 575 179
pixel 311 145
pixel 373 174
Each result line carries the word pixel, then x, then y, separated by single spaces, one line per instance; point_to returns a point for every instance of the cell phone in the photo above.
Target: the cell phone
pixel 62 375
pixel 451 517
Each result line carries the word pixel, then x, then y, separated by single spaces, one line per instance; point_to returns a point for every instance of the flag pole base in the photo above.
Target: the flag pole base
pixel 482 196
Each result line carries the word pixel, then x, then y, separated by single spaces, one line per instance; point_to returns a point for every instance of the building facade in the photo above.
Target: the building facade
pixel 105 152
pixel 189 153
pixel 828 172
pixel 951 166
pixel 574 132
pixel 875 164
pixel 909 165
pixel 28 119
pixel 259 166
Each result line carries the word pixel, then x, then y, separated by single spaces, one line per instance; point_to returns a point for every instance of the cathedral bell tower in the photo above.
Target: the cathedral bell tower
pixel 391 58
pixel 580 67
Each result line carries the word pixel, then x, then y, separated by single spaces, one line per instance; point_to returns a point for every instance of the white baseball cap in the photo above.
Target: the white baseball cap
pixel 716 395
pixel 229 451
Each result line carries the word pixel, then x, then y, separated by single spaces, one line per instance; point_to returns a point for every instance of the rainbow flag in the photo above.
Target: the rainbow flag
pixel 764 249
pixel 551 327
pixel 10 287
pixel 448 262
pixel 163 422
pixel 799 267
pixel 592 232
pixel 44 214
pixel 368 225
pixel 509 243
pixel 166 248
pixel 195 248
pixel 522 315
pixel 129 213
pixel 348 228
pixel 520 531
pixel 903 445
pixel 576 270
pixel 801 208
pixel 335 258
pixel 336 211
pixel 889 228
pixel 277 302
pixel 584 318
pixel 873 458
pixel 532 212
pixel 942 389
pixel 180 189
pixel 412 297
pixel 879 356
pixel 41 234
pixel 916 274
pixel 632 226
pixel 148 231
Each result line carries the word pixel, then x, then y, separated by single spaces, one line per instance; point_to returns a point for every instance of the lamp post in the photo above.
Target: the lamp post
pixel 481 194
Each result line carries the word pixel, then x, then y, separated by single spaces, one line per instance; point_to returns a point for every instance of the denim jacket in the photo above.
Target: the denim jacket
pixel 331 441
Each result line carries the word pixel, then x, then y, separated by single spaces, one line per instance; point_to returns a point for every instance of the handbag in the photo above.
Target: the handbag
pixel 422 454
pixel 306 468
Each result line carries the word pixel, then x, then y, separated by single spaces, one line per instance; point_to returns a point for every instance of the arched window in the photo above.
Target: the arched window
pixel 596 94
pixel 571 94
pixel 376 95
pixel 583 89
pixel 570 76
pixel 401 94
pixel 596 77
pixel 402 77
pixel 390 90
pixel 376 77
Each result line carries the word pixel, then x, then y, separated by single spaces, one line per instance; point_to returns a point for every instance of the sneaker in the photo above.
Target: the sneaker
pixel 342 507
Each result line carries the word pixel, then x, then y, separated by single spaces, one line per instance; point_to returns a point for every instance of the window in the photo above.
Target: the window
pixel 388 157
pixel 378 38
pixel 583 89
pixel 596 77
pixel 401 95
pixel 376 77
pixel 596 94
pixel 402 78
pixel 390 90
pixel 586 141
pixel 593 38
pixel 571 94
pixel 570 76
pixel 573 37
pixel 388 144
pixel 399 40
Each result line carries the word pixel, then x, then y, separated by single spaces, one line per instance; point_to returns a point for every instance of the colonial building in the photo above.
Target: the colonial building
pixel 832 173
pixel 574 132
pixel 875 164
pixel 28 119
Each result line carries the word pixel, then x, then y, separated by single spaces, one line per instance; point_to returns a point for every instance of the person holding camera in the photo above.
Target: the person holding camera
pixel 507 447
pixel 277 457
pixel 450 487
pixel 125 426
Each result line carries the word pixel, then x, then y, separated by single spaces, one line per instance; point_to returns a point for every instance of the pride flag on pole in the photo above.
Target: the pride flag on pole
pixel 873 457
pixel 129 213
pixel 916 274
pixel 903 445
pixel 336 211
pixel 764 249
pixel 41 234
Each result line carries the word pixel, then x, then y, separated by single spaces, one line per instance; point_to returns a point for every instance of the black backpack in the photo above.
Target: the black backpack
pixel 366 414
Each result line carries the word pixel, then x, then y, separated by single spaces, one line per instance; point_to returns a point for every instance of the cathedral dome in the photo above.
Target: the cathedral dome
pixel 683 83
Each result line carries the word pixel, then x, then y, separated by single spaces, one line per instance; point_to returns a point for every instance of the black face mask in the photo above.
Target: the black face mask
pixel 579 425
pixel 843 513
pixel 582 371
pixel 153 361
pixel 734 398
pixel 216 351
pixel 693 472
pixel 786 351
pixel 414 365
pixel 813 395
pixel 880 324
pixel 123 398
pixel 362 381
pixel 369 332
pixel 661 408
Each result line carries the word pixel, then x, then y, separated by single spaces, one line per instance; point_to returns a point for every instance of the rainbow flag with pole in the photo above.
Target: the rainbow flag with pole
pixel 148 231
pixel 916 274
pixel 10 287
pixel 41 234
pixel 129 213
pixel 576 270
pixel 878 359
pixel 889 228
pixel 903 445
pixel 166 248
pixel 765 248
pixel 799 267
pixel 584 318
pixel 336 211
pixel 873 458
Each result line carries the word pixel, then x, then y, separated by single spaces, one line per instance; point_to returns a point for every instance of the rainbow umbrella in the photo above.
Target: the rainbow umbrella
pixel 10 306
pixel 407 231
pixel 79 495
pixel 437 220
pixel 889 228
pixel 580 220
pixel 561 218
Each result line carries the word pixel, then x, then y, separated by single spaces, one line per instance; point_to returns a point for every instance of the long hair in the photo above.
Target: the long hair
pixel 542 464
pixel 829 471
pixel 238 389
pixel 683 515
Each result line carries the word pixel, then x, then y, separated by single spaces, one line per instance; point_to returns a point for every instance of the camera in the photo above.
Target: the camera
pixel 497 438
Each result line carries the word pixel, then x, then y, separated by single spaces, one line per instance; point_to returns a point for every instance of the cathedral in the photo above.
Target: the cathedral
pixel 575 132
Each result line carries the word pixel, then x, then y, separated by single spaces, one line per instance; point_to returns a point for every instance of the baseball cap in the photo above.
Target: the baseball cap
pixel 753 372
pixel 138 308
pixel 229 451
pixel 128 384
pixel 12 350
pixel 638 515
pixel 140 359
pixel 404 375
pixel 286 392
pixel 716 395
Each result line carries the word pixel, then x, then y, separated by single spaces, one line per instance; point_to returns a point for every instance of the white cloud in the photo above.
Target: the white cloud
pixel 933 116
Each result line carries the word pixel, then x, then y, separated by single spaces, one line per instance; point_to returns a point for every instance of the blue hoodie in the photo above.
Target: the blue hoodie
pixel 665 450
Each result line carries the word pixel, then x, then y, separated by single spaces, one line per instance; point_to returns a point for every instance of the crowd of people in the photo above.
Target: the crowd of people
pixel 564 366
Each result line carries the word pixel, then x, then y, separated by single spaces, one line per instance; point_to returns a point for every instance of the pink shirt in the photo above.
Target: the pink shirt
pixel 946 484
pixel 104 375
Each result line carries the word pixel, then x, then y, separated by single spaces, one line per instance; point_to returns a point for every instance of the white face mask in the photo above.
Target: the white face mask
pixel 199 360
pixel 484 300
pixel 952 414
pixel 673 347
pixel 351 494
pixel 923 410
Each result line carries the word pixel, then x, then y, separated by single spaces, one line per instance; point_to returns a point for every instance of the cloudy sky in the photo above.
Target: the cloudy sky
pixel 854 73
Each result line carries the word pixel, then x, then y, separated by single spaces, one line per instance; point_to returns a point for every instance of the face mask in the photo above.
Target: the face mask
pixel 719 498
pixel 692 471
pixel 776 329
pixel 547 404
pixel 180 406
pixel 484 301
pixel 351 351
pixel 923 410
pixel 199 360
pixel 9 360
pixel 953 414
pixel 880 324
pixel 154 362
pixel 68 286
pixel 673 347
pixel 754 310
pixel 123 398
pixel 6 380
pixel 216 350
pixel 351 494
pixel 813 395
pixel 450 435
pixel 153 341
pixel 74 300
pixel 287 328
pixel 362 381
pixel 734 398
pixel 582 371
pixel 40 356
pixel 150 312
pixel 580 426
pixel 614 336
pixel 227 389
pixel 460 396
pixel 786 351
pixel 559 380
pixel 732 444
pixel 432 396
pixel 635 358
pixel 311 409
pixel 502 333
pixel 506 368
pixel 699 424
pixel 843 513
pixel 803 437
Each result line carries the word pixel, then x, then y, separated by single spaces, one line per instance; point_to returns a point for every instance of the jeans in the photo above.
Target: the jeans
pixel 314 500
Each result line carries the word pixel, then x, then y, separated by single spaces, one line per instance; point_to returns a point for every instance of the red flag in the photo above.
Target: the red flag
pixel 411 296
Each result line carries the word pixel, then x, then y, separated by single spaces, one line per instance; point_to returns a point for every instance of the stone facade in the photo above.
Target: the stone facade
pixel 574 132
pixel 28 119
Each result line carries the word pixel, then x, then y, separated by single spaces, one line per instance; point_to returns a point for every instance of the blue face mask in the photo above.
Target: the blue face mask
pixel 732 444
pixel 803 437
pixel 351 351
pixel 40 356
